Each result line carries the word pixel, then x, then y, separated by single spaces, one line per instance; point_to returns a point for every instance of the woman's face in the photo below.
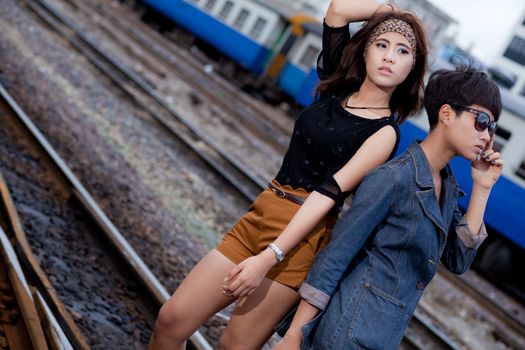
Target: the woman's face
pixel 463 135
pixel 389 60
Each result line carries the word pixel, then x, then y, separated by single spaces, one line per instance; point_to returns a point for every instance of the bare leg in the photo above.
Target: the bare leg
pixel 255 316
pixel 197 298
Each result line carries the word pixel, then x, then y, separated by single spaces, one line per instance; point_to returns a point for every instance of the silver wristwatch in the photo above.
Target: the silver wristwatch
pixel 278 252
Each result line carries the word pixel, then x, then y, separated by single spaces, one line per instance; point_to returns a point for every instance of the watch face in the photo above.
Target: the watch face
pixel 278 252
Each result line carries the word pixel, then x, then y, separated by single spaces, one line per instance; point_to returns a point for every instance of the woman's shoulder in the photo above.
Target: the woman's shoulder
pixel 391 124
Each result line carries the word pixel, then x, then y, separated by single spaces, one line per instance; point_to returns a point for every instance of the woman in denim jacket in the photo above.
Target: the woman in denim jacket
pixel 403 220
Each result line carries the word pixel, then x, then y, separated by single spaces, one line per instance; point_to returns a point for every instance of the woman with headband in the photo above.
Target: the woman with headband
pixel 368 85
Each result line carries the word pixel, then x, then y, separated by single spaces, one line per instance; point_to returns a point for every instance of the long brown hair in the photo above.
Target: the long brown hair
pixel 406 99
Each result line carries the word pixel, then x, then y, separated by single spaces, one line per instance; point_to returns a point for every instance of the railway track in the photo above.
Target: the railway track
pixel 423 334
pixel 265 123
pixel 20 324
pixel 78 40
pixel 91 278
pixel 231 169
pixel 505 315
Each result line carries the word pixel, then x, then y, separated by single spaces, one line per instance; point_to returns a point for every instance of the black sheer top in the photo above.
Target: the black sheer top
pixel 325 135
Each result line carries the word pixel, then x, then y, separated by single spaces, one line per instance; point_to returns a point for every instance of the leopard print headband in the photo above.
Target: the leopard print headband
pixel 396 26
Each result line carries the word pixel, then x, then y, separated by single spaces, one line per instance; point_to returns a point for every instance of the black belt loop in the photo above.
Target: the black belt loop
pixel 282 194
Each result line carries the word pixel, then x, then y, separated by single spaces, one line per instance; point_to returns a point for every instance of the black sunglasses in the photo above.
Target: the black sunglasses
pixel 482 119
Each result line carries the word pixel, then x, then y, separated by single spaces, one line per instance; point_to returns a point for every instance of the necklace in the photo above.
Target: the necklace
pixel 348 106
pixel 355 107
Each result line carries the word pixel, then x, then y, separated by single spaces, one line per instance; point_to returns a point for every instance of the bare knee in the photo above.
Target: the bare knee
pixel 171 321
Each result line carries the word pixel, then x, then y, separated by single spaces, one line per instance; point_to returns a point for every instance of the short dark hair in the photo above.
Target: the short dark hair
pixel 463 86
pixel 351 71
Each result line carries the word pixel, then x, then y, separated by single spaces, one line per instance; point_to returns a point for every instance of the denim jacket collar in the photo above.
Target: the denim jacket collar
pixel 421 166
pixel 427 195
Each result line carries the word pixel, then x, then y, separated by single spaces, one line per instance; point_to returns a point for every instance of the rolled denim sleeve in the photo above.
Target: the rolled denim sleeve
pixel 462 244
pixel 370 206
pixel 314 296
pixel 469 238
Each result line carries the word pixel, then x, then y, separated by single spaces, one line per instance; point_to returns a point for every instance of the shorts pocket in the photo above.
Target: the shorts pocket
pixel 376 321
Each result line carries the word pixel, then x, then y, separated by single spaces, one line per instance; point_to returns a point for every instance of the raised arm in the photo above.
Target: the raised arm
pixel 342 12
pixel 336 33
pixel 468 231
pixel 247 275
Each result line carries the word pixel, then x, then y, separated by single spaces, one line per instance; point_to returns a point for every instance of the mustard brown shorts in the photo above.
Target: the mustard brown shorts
pixel 266 218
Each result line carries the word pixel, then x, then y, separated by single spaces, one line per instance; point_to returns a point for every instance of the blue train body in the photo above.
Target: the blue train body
pixel 231 42
pixel 299 84
pixel 506 208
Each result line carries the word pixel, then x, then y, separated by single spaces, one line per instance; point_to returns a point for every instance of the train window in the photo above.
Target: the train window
pixel 522 92
pixel 503 133
pixel 498 144
pixel 310 56
pixel 210 4
pixel 241 18
pixel 258 27
pixel 521 170
pixel 516 50
pixel 502 136
pixel 226 9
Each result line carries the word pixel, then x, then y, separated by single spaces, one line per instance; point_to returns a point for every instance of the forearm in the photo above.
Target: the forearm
pixel 476 208
pixel 304 314
pixel 313 210
pixel 342 12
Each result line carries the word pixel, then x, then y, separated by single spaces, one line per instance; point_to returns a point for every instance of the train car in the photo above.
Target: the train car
pixel 292 63
pixel 298 77
pixel 243 30
pixel 266 37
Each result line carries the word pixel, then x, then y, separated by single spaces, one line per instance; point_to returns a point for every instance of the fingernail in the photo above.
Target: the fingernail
pixel 483 154
pixel 493 161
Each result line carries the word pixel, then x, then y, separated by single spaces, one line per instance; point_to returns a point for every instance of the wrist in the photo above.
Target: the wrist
pixel 269 257
pixel 294 334
pixel 386 7
pixel 481 188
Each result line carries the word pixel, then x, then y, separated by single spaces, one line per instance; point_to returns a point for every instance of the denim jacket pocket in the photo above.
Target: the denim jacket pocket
pixel 376 320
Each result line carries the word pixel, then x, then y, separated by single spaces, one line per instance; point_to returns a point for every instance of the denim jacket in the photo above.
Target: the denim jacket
pixel 383 253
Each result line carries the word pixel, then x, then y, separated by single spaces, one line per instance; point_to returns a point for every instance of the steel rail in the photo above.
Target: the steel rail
pixel 23 295
pixel 214 88
pixel 157 291
pixel 238 175
pixel 508 314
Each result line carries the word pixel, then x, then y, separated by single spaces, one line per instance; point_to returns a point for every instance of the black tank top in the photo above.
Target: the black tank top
pixel 325 135
pixel 324 138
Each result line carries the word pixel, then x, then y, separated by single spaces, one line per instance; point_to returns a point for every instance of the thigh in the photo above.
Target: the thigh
pixel 254 317
pixel 199 296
